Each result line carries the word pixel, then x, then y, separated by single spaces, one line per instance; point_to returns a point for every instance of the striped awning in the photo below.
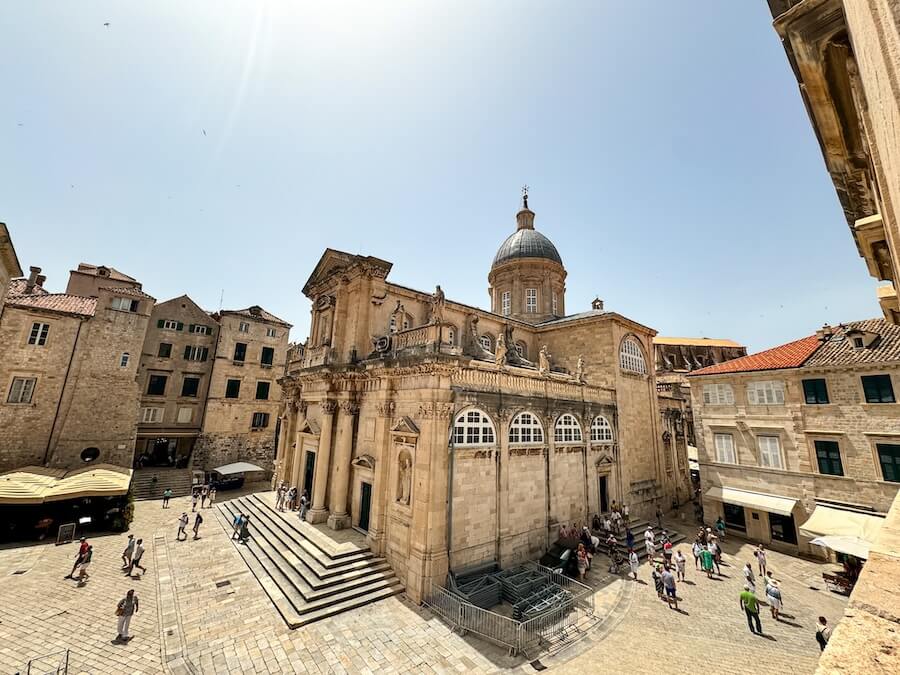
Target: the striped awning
pixel 36 484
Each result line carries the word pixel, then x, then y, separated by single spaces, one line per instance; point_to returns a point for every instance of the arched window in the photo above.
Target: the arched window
pixel 486 343
pixel 526 428
pixel 601 430
pixel 123 362
pixel 567 430
pixel 473 427
pixel 631 357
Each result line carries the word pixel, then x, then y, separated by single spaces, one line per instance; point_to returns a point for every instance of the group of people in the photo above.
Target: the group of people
pixel 202 494
pixel 183 523
pixel 132 556
pixel 82 562
pixel 707 552
pixel 240 527
pixel 286 500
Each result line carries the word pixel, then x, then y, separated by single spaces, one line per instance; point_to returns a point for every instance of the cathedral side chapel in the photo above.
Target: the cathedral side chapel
pixel 454 435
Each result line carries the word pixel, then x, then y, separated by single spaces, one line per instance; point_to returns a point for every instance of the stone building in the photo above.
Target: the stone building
pixel 845 55
pixel 678 356
pixel 68 367
pixel 9 262
pixel 454 435
pixel 802 436
pixel 241 419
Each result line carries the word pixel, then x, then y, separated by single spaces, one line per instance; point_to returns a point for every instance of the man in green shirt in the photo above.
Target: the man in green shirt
pixel 750 605
pixel 706 561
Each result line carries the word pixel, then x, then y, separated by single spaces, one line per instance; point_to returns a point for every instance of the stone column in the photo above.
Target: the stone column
pixel 300 418
pixel 338 519
pixel 381 489
pixel 318 513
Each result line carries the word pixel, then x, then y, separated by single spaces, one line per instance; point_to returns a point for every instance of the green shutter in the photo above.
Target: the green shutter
pixel 160 323
pixel 204 353
pixel 187 352
pixel 191 328
pixel 180 326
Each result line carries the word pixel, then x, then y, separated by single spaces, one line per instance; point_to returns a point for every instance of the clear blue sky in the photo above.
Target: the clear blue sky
pixel 668 152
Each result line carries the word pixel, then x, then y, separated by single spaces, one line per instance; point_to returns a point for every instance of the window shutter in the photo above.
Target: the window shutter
pixel 15 393
pixel 160 323
pixel 751 395
pixel 191 328
pixel 204 353
pixel 187 352
pixel 180 326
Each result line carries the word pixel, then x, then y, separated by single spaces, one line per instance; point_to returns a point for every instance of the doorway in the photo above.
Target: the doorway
pixel 309 472
pixel 365 505
pixel 604 495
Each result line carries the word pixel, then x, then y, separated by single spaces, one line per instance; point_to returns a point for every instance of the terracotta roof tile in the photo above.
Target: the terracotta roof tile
pixel 257 313
pixel 791 355
pixel 125 290
pixel 17 287
pixel 695 342
pixel 55 302
pixel 838 350
pixel 87 268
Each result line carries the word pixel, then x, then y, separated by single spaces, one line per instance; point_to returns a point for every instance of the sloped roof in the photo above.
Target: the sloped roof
pixel 791 355
pixel 55 302
pixel 257 313
pixel 125 290
pixel 87 268
pixel 17 287
pixel 838 350
pixel 695 342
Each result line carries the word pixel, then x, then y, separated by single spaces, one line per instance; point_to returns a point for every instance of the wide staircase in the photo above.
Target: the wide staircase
pixel 638 527
pixel 177 480
pixel 306 574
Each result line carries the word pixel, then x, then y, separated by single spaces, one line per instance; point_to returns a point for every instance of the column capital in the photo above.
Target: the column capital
pixel 435 410
pixel 387 409
pixel 349 407
pixel 329 407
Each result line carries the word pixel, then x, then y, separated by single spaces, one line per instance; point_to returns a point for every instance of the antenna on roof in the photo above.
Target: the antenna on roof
pixel 221 299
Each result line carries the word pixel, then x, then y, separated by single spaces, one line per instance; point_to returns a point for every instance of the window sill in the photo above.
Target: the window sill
pixel 237 363
pixel 265 365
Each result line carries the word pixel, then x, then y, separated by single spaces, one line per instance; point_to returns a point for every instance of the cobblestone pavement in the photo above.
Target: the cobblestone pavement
pixel 203 611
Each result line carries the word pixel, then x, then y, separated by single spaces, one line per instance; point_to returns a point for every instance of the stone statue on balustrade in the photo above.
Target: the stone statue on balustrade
pixel 544 361
pixel 437 305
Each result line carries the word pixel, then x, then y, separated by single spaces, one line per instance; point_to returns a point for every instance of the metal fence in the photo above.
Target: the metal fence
pixel 56 663
pixel 504 631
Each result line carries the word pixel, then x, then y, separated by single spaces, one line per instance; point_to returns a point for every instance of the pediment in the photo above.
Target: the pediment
pixel 604 460
pixel 309 426
pixel 365 461
pixel 335 262
pixel 405 426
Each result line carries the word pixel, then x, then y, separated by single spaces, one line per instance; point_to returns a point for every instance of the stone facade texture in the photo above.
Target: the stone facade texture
pixel 9 262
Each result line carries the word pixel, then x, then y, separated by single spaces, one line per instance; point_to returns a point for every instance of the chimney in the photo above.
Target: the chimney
pixel 824 333
pixel 32 279
pixel 39 282
pixel 597 304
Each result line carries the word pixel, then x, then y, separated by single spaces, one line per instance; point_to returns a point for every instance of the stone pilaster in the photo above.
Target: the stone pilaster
pixel 339 518
pixel 381 490
pixel 318 513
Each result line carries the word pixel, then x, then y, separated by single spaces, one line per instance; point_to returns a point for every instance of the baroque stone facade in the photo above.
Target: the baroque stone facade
pixel 453 435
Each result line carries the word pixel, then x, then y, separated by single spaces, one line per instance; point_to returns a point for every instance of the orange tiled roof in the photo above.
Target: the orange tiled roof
pixel 792 355
pixel 257 313
pixel 17 287
pixel 55 302
pixel 126 290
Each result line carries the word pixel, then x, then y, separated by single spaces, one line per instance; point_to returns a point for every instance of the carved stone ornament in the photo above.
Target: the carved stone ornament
pixel 365 462
pixel 500 351
pixel 437 305
pixel 324 302
pixel 405 427
pixel 381 344
pixel 329 407
pixel 579 370
pixel 404 477
pixel 302 406
pixel 386 409
pixel 544 361
pixel 349 407
pixel 379 298
pixel 433 410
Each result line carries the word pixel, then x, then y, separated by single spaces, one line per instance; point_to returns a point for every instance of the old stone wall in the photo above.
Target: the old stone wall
pixel 524 518
pixel 474 507
pixel 212 450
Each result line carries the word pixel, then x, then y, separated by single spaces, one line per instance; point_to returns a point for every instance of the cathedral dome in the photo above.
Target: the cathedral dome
pixel 526 243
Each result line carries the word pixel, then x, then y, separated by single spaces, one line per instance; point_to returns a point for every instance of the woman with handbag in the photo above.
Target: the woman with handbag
pixel 127 607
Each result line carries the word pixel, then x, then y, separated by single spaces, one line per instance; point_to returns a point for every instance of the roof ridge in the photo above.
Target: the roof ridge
pixel 788 355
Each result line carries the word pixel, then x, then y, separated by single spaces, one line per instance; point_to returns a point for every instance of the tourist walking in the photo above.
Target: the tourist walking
pixel 625 513
pixel 245 529
pixel 657 580
pixel 127 607
pixel 629 537
pixel 667 550
pixel 659 515
pixel 304 504
pixel 668 580
pixel 696 548
pixel 128 552
pixel 773 596
pixel 649 543
pixel 760 554
pixel 85 565
pixel 136 558
pixel 292 499
pixel 633 562
pixel 823 633
pixel 204 493
pixel 236 525
pixel 194 497
pixel 581 560
pixel 711 547
pixel 182 523
pixel 751 608
pixel 167 495
pixel 279 498
pixel 706 562
pixel 749 577
pixel 197 520
pixel 720 528
pixel 212 495
pixel 82 549
pixel 680 563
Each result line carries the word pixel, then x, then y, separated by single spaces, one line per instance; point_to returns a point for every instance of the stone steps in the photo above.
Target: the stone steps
pixel 178 480
pixel 638 526
pixel 304 581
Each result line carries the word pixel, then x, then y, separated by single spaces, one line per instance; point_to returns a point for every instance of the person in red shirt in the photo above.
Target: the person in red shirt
pixel 82 549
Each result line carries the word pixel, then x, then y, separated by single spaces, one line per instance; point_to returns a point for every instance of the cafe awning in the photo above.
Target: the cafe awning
pixel 854 546
pixel 827 521
pixel 237 467
pixel 754 500
pixel 37 484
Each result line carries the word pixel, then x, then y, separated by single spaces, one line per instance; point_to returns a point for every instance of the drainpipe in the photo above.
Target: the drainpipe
pixel 62 393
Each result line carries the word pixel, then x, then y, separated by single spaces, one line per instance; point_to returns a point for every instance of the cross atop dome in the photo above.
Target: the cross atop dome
pixel 525 196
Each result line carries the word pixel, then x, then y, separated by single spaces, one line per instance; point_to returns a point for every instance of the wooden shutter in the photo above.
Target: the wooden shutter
pixel 160 323
pixel 191 328
pixel 751 394
pixel 187 352
pixel 179 326
pixel 204 353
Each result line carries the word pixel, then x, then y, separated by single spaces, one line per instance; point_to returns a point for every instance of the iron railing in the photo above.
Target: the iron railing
pixel 55 663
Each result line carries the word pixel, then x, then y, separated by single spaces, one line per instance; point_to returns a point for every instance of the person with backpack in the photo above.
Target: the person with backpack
pixel 197 520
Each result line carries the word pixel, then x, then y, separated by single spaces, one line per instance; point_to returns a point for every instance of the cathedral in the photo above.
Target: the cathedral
pixel 453 435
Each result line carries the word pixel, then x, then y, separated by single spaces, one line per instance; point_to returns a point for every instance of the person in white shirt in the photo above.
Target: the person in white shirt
pixel 750 577
pixel 649 542
pixel 633 562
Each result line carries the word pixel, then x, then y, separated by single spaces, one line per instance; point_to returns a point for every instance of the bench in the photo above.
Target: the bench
pixel 837 583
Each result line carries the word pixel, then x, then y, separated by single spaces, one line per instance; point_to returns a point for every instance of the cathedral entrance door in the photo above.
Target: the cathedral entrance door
pixel 365 505
pixel 604 495
pixel 309 472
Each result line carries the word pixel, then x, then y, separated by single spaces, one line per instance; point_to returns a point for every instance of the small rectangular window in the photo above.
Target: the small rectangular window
pixel 889 458
pixel 504 303
pixel 190 386
pixel 165 350
pixel 156 385
pixel 878 388
pixel 260 420
pixel 262 391
pixel 270 332
pixel 240 351
pixel 151 415
pixel 22 390
pixel 124 304
pixel 38 334
pixel 769 452
pixel 828 457
pixel 718 394
pixel 267 356
pixel 185 415
pixel 199 329
pixel 170 324
pixel 725 449
pixel 815 391
pixel 555 301
pixel 232 389
pixel 765 393
pixel 531 300
pixel 195 353
pixel 244 327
